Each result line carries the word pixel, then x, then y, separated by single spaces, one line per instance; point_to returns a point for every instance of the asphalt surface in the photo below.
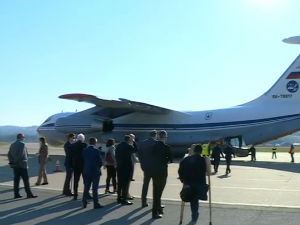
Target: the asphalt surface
pixel 53 208
pixel 262 192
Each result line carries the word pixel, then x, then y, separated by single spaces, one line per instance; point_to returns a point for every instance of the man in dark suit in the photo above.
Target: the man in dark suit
pixel 124 153
pixel 160 157
pixel 91 172
pixel 228 151
pixel 253 153
pixel 18 160
pixel 216 155
pixel 68 165
pixel 77 161
pixel 133 157
pixel 144 153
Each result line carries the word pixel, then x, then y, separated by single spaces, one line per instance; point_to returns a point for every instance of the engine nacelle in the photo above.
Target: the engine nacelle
pixel 108 126
pixel 83 125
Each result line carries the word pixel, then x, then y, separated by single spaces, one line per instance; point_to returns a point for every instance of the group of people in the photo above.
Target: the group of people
pixel 153 153
pixel 85 160
pixel 219 151
pixel 18 161
pixel 119 163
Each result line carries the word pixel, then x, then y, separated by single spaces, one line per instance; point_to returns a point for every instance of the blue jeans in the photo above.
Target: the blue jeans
pixel 88 181
pixel 195 209
pixel 195 201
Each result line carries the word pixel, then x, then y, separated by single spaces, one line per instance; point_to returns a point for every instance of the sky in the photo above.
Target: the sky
pixel 182 55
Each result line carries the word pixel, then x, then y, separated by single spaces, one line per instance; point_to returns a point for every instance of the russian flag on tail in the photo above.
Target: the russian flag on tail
pixel 294 75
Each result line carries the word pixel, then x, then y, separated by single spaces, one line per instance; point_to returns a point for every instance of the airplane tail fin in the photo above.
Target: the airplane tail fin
pixel 286 88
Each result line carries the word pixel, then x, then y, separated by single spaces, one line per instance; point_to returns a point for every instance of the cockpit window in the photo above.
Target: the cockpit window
pixel 47 120
pixel 56 116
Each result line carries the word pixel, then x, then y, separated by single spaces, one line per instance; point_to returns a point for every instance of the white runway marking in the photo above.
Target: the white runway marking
pixel 203 202
pixel 237 187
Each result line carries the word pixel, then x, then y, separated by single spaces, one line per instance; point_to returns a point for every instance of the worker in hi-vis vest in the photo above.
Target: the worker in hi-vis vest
pixel 206 149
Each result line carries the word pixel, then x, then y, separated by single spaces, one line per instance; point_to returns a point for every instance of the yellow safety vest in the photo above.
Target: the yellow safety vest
pixel 206 149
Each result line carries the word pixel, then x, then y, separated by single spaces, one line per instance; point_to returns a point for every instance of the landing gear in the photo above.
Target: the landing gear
pixel 234 141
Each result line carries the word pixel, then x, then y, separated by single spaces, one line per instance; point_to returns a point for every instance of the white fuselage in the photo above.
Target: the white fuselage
pixel 254 123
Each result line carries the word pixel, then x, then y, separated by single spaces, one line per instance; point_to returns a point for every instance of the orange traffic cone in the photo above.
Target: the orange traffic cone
pixel 57 166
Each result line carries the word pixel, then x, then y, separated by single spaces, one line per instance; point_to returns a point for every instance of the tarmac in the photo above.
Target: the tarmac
pixel 262 192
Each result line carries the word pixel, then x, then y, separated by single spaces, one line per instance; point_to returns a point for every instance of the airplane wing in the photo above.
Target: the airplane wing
pixel 121 103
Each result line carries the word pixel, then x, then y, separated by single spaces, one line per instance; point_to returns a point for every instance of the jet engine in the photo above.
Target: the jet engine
pixel 83 125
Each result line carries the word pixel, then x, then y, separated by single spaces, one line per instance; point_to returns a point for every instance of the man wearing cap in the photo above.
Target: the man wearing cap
pixel 18 160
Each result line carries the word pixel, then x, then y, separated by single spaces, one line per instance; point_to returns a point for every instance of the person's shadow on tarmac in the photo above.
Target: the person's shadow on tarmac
pixel 67 211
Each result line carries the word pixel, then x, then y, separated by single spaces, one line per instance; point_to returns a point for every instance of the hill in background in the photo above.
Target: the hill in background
pixel 285 141
pixel 9 133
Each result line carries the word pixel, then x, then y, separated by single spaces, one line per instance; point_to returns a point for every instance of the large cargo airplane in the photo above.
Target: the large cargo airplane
pixel 274 114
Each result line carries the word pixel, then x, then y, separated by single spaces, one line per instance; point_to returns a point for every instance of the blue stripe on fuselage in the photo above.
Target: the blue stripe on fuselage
pixel 207 125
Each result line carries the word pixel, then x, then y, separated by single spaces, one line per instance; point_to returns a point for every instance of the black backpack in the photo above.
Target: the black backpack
pixel 186 193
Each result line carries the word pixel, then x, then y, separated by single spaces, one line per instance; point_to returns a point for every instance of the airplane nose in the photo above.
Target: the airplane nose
pixel 39 130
